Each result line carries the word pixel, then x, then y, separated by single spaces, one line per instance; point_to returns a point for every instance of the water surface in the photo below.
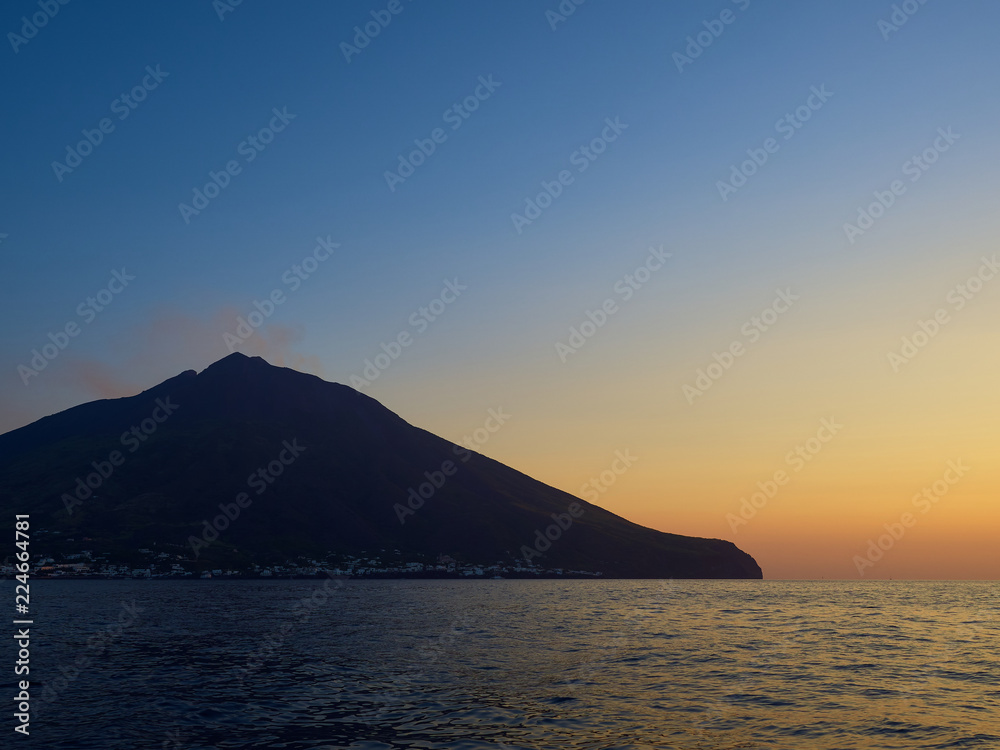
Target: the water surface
pixel 374 665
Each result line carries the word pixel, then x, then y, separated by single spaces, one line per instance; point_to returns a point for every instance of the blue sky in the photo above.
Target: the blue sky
pixel 324 176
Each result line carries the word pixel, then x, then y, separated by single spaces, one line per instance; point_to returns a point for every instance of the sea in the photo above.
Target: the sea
pixel 547 664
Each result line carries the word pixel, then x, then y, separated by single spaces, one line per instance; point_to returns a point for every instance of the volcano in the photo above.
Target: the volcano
pixel 248 463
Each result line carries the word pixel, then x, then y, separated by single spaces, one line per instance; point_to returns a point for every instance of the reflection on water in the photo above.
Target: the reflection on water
pixel 372 665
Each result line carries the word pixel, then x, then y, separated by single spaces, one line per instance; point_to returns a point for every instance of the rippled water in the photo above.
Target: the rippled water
pixel 517 664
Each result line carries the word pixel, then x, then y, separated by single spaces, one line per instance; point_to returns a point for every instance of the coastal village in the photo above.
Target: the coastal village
pixel 151 563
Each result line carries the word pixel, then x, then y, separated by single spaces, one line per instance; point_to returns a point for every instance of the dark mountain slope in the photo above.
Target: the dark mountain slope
pixel 358 461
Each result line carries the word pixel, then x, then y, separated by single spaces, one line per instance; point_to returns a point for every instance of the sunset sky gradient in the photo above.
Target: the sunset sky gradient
pixel 826 356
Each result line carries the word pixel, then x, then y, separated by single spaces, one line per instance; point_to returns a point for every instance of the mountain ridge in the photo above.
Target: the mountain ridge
pixel 360 463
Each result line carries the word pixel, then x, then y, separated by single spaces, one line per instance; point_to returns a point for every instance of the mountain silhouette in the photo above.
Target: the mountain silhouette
pixel 305 467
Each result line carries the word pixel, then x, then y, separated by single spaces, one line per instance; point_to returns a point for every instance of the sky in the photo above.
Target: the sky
pixel 728 266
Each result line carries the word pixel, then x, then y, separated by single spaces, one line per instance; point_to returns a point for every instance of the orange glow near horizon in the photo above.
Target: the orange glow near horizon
pixel 899 432
pixel 823 362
